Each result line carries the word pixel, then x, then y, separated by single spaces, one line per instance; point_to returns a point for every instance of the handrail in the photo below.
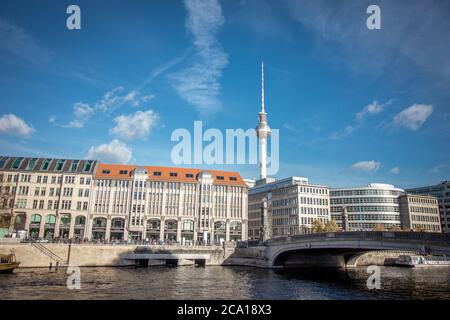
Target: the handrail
pixel 48 252
pixel 363 235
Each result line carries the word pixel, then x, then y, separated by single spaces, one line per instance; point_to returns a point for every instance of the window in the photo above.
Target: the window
pixel 17 163
pixel 220 177
pixel 32 164
pixel 233 179
pixel 74 165
pixel 173 174
pixel 59 165
pixel 45 164
pixel 123 172
pixel 189 175
pixel 106 171
pixel 157 173
pixel 87 166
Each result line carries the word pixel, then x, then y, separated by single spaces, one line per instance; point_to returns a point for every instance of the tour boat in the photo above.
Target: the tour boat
pixel 422 261
pixel 8 262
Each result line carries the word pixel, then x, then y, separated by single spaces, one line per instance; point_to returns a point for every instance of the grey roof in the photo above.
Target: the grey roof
pixel 6 164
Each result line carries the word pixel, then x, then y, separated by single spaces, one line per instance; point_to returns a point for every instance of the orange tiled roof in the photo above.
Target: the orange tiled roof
pixel 115 173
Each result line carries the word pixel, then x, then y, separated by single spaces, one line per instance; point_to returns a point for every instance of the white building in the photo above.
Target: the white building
pixel 170 204
pixel 366 207
pixel 292 203
pixel 442 192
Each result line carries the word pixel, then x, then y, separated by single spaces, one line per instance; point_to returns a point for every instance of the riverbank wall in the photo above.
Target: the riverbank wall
pixel 109 255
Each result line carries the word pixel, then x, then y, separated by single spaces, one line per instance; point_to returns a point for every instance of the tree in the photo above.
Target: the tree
pixel 5 208
pixel 394 228
pixel 318 226
pixel 378 227
pixel 331 226
pixel 419 228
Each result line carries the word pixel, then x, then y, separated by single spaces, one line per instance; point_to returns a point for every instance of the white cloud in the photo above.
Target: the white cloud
pixel 110 99
pixel 438 168
pixel 395 170
pixel 82 110
pixel 135 125
pixel 199 84
pixel 366 166
pixel 413 117
pixel 12 124
pixel 372 109
pixel 114 152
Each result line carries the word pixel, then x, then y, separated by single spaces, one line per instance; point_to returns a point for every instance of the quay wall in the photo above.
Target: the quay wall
pixel 105 255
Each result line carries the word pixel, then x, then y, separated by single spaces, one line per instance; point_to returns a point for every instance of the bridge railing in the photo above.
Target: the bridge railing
pixel 366 235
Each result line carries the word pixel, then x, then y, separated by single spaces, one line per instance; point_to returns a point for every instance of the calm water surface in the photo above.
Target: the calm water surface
pixel 226 283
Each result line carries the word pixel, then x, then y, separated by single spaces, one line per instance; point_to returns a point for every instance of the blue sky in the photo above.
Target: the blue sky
pixel 353 105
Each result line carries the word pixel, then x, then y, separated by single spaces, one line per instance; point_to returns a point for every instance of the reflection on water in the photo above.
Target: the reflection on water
pixel 226 283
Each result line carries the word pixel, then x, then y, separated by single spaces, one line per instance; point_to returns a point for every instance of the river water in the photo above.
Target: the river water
pixel 226 283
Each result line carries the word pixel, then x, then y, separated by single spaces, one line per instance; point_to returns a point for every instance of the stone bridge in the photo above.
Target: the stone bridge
pixel 339 249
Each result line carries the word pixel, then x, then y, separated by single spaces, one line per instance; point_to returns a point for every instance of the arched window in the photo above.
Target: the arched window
pixel 171 224
pixel 50 219
pixel 36 219
pixel 80 220
pixel 65 219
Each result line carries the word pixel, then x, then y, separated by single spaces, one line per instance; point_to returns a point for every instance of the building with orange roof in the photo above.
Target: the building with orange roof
pixel 168 204
pixel 52 198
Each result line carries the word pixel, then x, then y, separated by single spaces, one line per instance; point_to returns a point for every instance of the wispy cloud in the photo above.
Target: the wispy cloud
pixel 413 117
pixel 17 41
pixel 199 84
pixel 369 110
pixel 111 100
pixel 372 109
pixel 438 168
pixel 366 166
pixel 423 41
pixel 13 125
pixel 290 127
pixel 395 170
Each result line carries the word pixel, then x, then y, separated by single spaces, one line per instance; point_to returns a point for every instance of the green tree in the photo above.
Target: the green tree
pixel 318 226
pixel 331 226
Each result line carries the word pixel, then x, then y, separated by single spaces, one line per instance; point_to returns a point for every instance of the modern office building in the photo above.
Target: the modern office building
pixel 48 197
pixel 366 207
pixel 419 213
pixel 292 206
pixel 51 198
pixel 442 192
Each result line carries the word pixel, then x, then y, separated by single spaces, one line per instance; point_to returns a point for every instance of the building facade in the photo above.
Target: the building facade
pixel 49 197
pixel 419 213
pixel 292 206
pixel 442 192
pixel 170 204
pixel 89 200
pixel 366 207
